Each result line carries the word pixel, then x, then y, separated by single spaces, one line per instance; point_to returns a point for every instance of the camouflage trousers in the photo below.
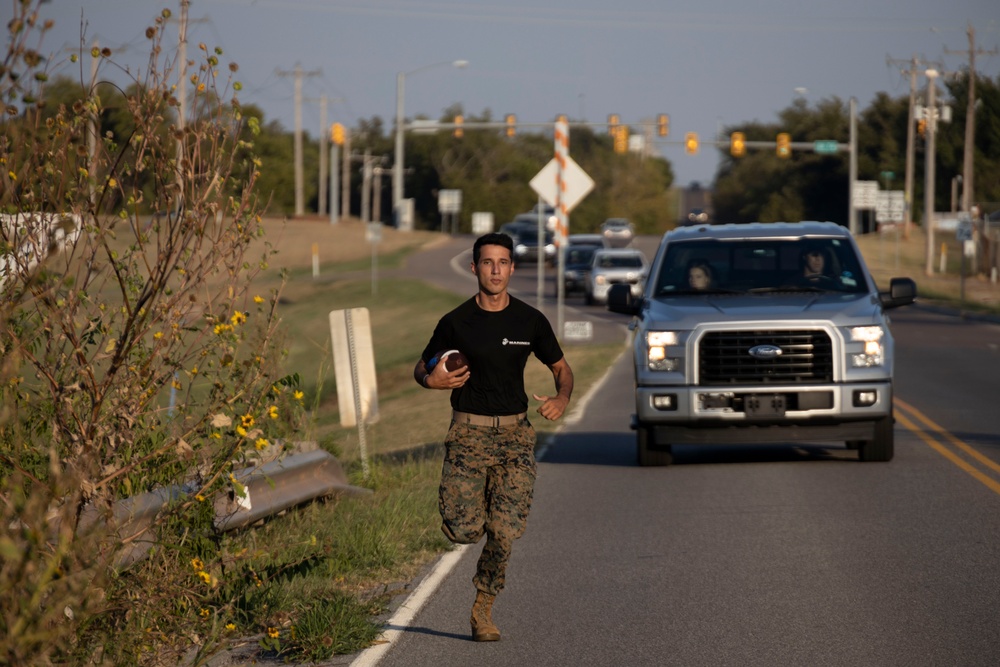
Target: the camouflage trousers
pixel 487 483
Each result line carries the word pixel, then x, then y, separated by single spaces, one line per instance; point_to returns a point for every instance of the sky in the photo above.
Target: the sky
pixel 709 65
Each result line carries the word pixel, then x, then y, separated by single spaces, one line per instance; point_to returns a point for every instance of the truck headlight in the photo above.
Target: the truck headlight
pixel 657 357
pixel 871 337
pixel 600 279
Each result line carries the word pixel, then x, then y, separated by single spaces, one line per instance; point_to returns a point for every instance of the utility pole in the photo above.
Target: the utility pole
pixel 970 120
pixel 298 73
pixel 324 133
pixel 182 86
pixel 182 108
pixel 916 67
pixel 345 174
pixel 93 129
pixel 929 166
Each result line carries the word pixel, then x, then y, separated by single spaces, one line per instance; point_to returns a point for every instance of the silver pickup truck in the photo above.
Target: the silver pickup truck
pixel 762 333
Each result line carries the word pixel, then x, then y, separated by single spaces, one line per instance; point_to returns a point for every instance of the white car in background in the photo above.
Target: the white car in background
pixel 615 266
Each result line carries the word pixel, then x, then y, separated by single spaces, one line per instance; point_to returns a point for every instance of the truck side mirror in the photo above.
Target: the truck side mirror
pixel 902 292
pixel 620 300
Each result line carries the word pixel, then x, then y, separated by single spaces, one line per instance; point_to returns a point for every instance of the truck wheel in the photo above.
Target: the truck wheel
pixel 661 456
pixel 880 448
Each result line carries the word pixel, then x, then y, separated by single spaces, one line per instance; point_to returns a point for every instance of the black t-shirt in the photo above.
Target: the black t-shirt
pixel 497 345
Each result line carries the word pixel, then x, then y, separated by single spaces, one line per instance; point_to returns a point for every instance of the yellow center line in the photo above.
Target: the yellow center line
pixel 987 481
pixel 968 449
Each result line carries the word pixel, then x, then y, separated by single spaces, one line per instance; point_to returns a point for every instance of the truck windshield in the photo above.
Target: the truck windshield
pixel 765 265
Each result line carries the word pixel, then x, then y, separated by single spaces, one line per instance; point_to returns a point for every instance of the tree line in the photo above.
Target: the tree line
pixel 493 170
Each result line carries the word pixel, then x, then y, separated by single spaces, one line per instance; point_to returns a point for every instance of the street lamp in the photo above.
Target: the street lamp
pixel 398 166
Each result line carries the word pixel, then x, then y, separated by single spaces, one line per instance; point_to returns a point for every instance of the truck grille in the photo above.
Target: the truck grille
pixel 806 356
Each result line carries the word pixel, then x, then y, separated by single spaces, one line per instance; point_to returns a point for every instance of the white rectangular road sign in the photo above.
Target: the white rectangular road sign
pixel 890 206
pixel 578 184
pixel 865 194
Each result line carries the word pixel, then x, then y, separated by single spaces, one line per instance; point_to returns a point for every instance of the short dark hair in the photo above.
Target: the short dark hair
pixel 493 238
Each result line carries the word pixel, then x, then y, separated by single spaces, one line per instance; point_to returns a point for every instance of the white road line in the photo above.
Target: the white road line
pixel 401 620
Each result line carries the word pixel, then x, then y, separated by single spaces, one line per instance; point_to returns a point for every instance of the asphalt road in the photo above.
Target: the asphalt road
pixel 761 555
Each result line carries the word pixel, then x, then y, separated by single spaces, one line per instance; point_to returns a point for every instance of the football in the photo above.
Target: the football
pixel 453 360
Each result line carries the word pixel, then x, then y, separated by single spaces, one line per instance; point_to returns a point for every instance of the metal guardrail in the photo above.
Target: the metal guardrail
pixel 279 485
pixel 270 488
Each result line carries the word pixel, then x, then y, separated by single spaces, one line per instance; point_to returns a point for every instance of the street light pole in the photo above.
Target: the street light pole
pixel 398 166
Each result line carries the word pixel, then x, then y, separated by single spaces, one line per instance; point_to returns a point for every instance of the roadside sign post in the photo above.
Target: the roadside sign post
pixel 963 233
pixel 561 183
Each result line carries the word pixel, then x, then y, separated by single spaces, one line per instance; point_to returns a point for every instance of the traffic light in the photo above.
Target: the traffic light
pixel 511 124
pixel 663 125
pixel 922 127
pixel 613 120
pixel 458 127
pixel 691 143
pixel 737 144
pixel 784 145
pixel 337 134
pixel 621 138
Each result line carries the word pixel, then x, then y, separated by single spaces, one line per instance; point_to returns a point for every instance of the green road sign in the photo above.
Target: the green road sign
pixel 825 146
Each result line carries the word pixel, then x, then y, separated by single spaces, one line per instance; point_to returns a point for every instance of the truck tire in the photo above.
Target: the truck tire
pixel 880 448
pixel 646 454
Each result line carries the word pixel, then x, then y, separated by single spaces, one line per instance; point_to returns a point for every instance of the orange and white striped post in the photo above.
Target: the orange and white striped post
pixel 561 153
pixel 562 217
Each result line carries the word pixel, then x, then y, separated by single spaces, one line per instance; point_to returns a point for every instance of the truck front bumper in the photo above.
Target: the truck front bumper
pixel 762 414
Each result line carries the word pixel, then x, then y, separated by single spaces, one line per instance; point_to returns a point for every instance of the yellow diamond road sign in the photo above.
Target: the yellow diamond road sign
pixel 578 184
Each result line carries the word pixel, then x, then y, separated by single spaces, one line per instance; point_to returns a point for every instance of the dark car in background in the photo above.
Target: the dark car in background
pixel 527 248
pixel 596 240
pixel 577 267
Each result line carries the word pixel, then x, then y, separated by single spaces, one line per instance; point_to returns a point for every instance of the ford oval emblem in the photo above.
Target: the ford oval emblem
pixel 765 351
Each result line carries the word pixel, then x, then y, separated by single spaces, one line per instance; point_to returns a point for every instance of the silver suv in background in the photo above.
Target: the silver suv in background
pixel 614 266
pixel 762 333
pixel 617 232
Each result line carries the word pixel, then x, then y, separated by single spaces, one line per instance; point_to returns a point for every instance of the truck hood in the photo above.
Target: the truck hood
pixel 690 310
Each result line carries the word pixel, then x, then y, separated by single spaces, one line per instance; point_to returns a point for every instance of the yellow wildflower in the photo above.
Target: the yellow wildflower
pixel 240 431
pixel 205 576
pixel 112 183
pixel 203 612
pixel 260 444
pixel 11 175
pixel 258 299
pixel 238 318
pixel 197 564
pixel 272 412
pixel 247 420
pixel 200 498
pixel 273 633
pixel 299 395
pixel 176 385
pixel 216 436
pixel 230 626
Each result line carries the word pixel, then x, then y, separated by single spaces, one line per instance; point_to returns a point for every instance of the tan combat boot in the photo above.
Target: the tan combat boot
pixel 483 629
